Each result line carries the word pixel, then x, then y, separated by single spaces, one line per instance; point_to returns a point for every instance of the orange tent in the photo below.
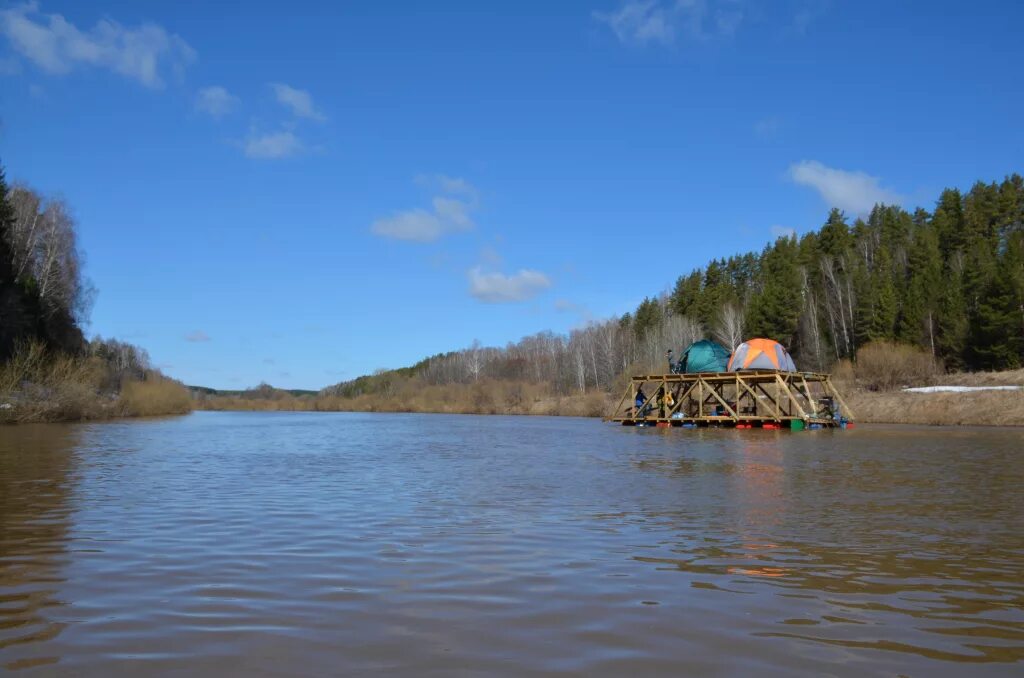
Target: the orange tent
pixel 761 354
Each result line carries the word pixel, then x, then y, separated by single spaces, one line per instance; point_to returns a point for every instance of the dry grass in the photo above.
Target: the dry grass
pixel 871 388
pixel 154 397
pixel 984 408
pixel 483 397
pixel 1007 378
pixel 37 385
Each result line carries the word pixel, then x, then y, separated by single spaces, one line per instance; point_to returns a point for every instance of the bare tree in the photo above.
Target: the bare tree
pixel 24 232
pixel 45 247
pixel 473 359
pixel 728 327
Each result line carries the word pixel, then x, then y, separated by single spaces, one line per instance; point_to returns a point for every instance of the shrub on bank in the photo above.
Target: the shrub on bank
pixel 885 366
pixel 41 385
pixel 157 395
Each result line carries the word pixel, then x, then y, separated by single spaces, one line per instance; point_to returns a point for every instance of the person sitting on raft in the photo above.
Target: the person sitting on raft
pixel 640 400
pixel 667 403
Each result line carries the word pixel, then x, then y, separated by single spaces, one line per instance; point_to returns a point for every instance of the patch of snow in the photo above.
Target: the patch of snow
pixel 960 389
pixel 6 406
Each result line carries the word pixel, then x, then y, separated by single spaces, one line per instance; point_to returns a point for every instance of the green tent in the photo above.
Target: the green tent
pixel 704 356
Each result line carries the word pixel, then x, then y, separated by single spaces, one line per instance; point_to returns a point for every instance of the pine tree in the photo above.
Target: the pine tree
pixel 882 322
pixel 997 339
pixel 953 324
pixel 835 234
pixel 774 313
pixel 715 292
pixel 924 289
pixel 686 294
pixel 948 221
pixel 648 315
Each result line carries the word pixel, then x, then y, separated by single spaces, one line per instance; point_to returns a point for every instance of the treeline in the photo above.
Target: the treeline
pixel 42 293
pixel 949 281
pixel 48 371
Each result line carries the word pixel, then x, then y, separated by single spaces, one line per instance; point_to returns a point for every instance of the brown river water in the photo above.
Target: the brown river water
pixel 266 544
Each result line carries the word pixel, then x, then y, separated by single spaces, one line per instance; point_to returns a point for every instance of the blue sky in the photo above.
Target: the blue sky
pixel 305 193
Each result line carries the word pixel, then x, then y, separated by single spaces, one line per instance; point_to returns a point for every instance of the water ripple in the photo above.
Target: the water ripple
pixel 298 544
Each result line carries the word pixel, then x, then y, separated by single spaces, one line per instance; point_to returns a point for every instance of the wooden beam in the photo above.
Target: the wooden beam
pixel 725 404
pixel 810 400
pixel 835 394
pixel 778 413
pixel 794 401
pixel 628 391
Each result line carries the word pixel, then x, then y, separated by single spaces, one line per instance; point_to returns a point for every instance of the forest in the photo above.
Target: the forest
pixel 949 282
pixel 48 370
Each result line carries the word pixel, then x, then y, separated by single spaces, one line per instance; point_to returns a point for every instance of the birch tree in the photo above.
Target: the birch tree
pixel 728 327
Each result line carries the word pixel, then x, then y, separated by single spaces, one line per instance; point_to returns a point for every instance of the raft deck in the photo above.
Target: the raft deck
pixel 745 399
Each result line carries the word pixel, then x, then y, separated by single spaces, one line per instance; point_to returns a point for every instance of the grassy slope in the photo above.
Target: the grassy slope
pixel 983 408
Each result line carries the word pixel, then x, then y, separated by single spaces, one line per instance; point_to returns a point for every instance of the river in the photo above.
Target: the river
pixel 284 544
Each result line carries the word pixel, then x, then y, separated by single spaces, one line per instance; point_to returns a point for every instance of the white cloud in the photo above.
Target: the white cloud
pixel 57 46
pixel 854 192
pixel 418 225
pixel 272 145
pixel 452 211
pixel 498 288
pixel 783 232
pixel 197 336
pixel 298 101
pixel 456 185
pixel 640 21
pixel 447 184
pixel 646 21
pixel 447 214
pixel 215 101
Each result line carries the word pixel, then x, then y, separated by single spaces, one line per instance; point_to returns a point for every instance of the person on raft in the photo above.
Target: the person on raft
pixel 667 403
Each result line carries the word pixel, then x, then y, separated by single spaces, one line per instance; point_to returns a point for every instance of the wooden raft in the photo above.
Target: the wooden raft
pixel 749 398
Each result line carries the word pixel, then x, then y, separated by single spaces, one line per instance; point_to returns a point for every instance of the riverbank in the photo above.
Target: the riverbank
pixel 984 408
pixel 979 408
pixel 78 402
pixel 39 386
pixel 483 397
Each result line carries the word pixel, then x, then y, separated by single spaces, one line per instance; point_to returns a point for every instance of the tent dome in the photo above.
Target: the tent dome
pixel 761 354
pixel 704 356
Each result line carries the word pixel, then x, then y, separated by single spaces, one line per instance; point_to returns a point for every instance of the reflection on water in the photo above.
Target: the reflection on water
pixel 35 479
pixel 292 544
pixel 922 544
